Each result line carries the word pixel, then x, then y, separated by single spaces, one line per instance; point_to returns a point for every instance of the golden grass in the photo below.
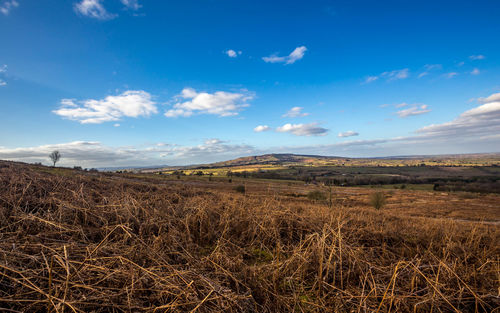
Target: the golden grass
pixel 106 243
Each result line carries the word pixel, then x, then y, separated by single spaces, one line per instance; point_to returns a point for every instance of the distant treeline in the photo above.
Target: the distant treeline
pixel 472 184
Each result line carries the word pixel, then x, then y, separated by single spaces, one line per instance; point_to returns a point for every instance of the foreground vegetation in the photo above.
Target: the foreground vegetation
pixel 75 241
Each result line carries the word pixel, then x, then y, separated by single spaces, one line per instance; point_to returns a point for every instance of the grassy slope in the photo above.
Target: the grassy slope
pixel 77 241
pixel 280 161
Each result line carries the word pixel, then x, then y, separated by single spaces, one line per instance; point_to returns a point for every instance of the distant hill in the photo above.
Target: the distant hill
pixel 300 159
pixel 272 159
pixel 289 160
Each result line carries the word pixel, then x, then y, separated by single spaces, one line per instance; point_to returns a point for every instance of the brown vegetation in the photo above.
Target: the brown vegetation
pixel 80 242
pixel 377 200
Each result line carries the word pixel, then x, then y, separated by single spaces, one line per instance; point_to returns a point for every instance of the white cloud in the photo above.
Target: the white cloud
pixel 311 129
pixel 493 98
pixel 483 120
pixel 402 105
pixel 428 68
pixel 116 125
pixel 370 79
pixel 211 150
pixel 8 5
pixel 93 9
pixel 475 71
pixel 220 103
pixel 131 103
pixel 477 129
pixel 411 109
pixel 414 109
pixel 477 57
pixel 294 56
pixel 96 154
pixel 348 133
pixel 84 153
pixel 232 54
pixel 3 69
pixel 451 74
pixel 295 112
pixel 131 4
pixel 261 128
pixel 396 74
pixel 389 76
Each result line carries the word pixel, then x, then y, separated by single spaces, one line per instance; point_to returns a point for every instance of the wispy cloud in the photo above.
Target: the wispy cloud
pixel 131 4
pixel 348 133
pixel 261 128
pixel 93 9
pixel 232 53
pixel 475 71
pixel 131 103
pixel 8 5
pixel 220 103
pixel 451 74
pixel 3 70
pixel 311 129
pixel 295 112
pixel 477 57
pixel 428 68
pixel 414 109
pixel 389 76
pixel 294 56
pixel 396 74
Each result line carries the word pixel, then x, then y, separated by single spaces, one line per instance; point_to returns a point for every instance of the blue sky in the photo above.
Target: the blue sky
pixel 124 82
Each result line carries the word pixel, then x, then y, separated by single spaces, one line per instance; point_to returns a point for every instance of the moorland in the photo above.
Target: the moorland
pixel 78 241
pixel 469 172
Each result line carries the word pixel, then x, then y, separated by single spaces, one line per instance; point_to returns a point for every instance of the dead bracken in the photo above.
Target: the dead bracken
pixel 75 241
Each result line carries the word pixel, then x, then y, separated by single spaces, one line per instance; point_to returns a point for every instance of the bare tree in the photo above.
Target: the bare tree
pixel 55 156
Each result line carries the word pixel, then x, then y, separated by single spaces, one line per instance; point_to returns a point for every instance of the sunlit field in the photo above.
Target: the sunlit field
pixel 76 241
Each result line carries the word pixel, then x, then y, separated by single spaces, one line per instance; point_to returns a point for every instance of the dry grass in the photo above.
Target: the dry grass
pixel 103 243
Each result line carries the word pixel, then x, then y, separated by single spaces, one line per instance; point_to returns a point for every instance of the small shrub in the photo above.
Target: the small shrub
pixel 240 188
pixel 316 195
pixel 377 200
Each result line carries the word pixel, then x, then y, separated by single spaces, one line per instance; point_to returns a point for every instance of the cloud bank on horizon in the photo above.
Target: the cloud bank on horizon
pixel 481 122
